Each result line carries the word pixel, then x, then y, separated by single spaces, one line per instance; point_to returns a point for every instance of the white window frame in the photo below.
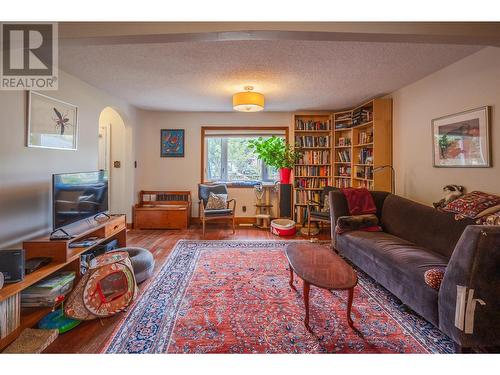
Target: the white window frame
pixel 225 134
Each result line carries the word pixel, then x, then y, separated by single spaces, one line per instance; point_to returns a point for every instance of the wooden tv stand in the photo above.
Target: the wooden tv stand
pixel 63 258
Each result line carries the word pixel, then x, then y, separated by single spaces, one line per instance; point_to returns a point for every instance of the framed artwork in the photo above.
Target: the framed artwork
pixel 462 140
pixel 172 143
pixel 52 123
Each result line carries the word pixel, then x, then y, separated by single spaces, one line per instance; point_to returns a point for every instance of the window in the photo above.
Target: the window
pixel 227 158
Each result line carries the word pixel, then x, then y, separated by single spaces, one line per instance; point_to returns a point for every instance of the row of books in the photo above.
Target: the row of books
pixel 45 292
pixel 312 125
pixel 365 184
pixel 344 156
pixel 344 117
pixel 365 155
pixel 310 141
pixel 344 171
pixel 342 183
pixel 364 172
pixel 311 183
pixel 306 170
pixel 302 196
pixel 343 125
pixel 365 137
pixel 10 313
pixel 344 141
pixel 361 115
pixel 315 157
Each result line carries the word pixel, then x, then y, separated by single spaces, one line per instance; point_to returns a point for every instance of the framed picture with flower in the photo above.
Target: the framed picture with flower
pixel 462 139
pixel 172 143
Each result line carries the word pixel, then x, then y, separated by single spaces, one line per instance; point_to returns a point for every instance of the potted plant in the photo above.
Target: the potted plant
pixel 275 152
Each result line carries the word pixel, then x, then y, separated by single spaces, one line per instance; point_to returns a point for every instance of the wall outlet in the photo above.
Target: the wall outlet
pixel 244 208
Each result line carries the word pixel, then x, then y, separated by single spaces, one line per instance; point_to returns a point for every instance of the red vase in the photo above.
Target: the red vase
pixel 285 175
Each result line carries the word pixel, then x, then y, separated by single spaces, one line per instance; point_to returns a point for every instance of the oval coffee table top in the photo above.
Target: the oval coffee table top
pixel 320 266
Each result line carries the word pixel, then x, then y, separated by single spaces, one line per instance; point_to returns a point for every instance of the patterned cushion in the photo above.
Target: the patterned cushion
pixel 492 219
pixel 473 205
pixel 216 202
pixel 434 276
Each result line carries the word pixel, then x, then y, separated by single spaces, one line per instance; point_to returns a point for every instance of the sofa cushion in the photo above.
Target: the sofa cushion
pixel 399 265
pixel 422 225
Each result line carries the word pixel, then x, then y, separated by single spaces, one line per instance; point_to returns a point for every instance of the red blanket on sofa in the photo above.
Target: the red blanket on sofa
pixel 359 201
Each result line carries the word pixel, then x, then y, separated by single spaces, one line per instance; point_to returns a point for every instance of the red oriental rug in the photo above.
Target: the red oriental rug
pixel 234 297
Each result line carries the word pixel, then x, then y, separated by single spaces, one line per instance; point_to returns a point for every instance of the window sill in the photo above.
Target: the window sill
pixel 242 184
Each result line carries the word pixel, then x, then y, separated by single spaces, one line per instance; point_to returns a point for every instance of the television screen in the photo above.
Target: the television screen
pixel 77 196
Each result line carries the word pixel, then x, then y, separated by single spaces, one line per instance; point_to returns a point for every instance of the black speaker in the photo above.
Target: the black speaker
pixel 285 201
pixel 12 265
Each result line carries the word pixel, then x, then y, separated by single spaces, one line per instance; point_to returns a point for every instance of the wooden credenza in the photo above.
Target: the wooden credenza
pixel 163 210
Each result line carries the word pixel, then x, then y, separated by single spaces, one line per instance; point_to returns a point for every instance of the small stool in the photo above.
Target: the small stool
pixel 142 261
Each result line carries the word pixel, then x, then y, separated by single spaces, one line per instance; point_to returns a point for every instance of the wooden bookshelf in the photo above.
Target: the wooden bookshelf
pixel 312 135
pixel 363 141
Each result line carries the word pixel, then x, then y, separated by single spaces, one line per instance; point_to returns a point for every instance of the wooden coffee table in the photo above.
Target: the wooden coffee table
pixel 319 266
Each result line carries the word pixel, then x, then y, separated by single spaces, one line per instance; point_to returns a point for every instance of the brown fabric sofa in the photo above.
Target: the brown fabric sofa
pixel 416 238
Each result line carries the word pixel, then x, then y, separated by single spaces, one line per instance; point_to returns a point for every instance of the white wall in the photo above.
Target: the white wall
pixel 469 83
pixel 25 173
pixel 156 173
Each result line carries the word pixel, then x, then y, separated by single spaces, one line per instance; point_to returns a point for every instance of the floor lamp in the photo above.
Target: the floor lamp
pixel 393 175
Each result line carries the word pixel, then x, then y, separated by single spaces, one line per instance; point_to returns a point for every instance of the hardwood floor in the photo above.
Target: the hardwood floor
pixel 89 336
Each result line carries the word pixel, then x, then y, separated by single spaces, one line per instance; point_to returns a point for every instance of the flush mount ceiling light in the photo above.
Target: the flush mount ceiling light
pixel 248 101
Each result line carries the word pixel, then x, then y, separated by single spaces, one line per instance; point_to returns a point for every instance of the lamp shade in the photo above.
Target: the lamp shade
pixel 248 101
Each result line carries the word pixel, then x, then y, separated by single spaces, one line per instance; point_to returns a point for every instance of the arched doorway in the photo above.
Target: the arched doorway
pixel 112 154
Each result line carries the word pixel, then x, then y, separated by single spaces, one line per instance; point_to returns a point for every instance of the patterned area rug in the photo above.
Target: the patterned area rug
pixel 234 297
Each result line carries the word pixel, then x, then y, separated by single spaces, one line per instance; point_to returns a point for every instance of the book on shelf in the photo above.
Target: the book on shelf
pixel 344 156
pixel 361 115
pixel 365 184
pixel 365 137
pixel 312 170
pixel 302 196
pixel 365 155
pixel 365 172
pixel 344 171
pixel 343 141
pixel 315 157
pixel 301 124
pixel 310 183
pixel 342 183
pixel 312 141
pixel 344 117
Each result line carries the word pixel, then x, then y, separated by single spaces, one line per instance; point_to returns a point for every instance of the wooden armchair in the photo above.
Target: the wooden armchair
pixel 227 213
pixel 315 210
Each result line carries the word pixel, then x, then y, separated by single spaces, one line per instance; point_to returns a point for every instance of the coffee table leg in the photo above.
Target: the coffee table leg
pixel 291 276
pixel 306 302
pixel 349 305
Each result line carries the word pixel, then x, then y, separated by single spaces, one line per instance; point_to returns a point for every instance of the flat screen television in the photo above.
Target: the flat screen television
pixel 78 196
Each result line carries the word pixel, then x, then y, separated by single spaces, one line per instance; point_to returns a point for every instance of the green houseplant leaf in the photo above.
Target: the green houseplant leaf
pixel 274 151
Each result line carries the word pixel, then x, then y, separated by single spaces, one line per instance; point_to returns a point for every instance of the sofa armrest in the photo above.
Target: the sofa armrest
pixel 338 208
pixel 469 296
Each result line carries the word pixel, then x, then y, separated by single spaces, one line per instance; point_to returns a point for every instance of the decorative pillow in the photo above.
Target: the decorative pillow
pixel 326 204
pixel 434 276
pixel 367 223
pixel 472 205
pixel 492 219
pixel 216 202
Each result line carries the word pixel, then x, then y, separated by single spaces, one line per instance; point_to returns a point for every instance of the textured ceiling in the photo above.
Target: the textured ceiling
pixel 293 75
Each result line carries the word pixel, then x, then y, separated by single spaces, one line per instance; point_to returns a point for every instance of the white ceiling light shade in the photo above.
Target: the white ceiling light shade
pixel 248 101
